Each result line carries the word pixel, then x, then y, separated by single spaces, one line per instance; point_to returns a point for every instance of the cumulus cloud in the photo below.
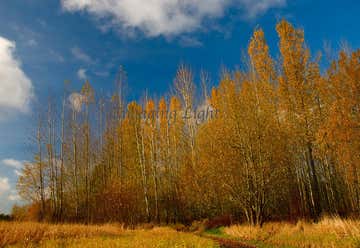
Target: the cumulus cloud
pixel 4 185
pixel 165 17
pixel 12 163
pixel 81 73
pixel 16 88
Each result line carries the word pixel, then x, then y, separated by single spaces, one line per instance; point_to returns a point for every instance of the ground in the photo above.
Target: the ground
pixel 326 233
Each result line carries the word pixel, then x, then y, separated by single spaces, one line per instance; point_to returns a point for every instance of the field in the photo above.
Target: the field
pixel 327 233
pixel 29 234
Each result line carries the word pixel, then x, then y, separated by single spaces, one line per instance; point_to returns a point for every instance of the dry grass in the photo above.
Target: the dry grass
pixel 27 234
pixel 158 237
pixel 329 232
pixel 31 232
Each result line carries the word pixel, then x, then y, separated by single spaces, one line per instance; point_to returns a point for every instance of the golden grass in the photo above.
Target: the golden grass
pixel 158 237
pixel 329 232
pixel 27 234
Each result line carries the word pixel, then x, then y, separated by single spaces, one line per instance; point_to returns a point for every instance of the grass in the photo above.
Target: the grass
pixel 329 232
pixel 28 234
pixel 220 233
pixel 157 237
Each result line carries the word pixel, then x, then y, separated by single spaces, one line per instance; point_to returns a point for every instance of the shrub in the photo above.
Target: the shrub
pixel 198 226
pixel 219 221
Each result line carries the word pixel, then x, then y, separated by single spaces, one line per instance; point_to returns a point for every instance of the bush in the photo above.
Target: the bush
pixel 198 226
pixel 224 220
pixel 146 226
pixel 179 227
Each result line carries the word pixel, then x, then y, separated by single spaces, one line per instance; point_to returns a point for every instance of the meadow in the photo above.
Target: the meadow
pixel 30 234
pixel 329 232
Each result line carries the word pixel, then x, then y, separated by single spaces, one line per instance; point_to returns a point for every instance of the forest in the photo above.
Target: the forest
pixel 277 139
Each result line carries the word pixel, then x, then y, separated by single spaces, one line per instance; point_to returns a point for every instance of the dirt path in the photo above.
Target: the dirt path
pixel 228 243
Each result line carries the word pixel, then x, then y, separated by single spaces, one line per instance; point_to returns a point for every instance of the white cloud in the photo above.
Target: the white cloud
pixel 101 73
pixel 81 73
pixel 32 42
pixel 4 185
pixel 16 89
pixel 13 196
pixel 165 17
pixel 76 100
pixel 12 163
pixel 81 55
pixel 187 41
pixel 18 173
pixel 253 8
pixel 55 56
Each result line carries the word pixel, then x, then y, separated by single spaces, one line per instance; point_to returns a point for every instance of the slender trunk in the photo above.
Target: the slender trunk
pixel 61 200
pixel 141 155
pixel 41 175
pixel 315 188
pixel 75 161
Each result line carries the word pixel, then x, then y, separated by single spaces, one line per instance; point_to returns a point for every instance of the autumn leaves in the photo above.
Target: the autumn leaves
pixel 276 139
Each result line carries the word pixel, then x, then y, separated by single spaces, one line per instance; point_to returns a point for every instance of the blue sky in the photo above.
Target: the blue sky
pixel 44 43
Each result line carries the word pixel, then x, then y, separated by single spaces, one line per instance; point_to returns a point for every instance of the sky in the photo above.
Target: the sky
pixel 45 43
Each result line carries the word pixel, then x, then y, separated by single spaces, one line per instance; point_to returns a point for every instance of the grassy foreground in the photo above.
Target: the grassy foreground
pixel 330 232
pixel 47 235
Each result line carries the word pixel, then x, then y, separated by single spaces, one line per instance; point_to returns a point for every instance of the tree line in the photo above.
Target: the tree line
pixel 283 144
